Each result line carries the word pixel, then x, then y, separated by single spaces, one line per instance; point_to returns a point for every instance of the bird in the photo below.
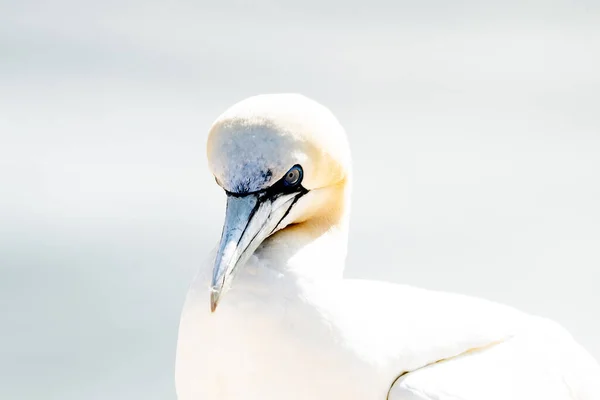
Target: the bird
pixel 270 315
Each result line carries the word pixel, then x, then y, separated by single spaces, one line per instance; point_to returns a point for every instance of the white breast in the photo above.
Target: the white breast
pixel 279 337
pixel 266 341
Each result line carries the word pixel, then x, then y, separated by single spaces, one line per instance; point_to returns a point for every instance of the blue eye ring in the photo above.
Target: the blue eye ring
pixel 294 176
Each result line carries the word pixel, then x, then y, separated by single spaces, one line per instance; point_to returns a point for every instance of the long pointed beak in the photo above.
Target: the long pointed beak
pixel 249 220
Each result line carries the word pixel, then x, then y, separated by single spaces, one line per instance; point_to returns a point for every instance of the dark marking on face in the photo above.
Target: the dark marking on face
pixel 278 188
pixel 244 185
pixel 266 175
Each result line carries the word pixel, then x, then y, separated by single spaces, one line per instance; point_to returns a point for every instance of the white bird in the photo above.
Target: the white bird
pixel 290 327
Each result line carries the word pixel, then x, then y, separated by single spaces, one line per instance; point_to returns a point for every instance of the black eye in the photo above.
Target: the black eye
pixel 294 176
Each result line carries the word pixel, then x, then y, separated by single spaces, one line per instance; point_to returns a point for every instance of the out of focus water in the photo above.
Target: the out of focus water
pixel 476 142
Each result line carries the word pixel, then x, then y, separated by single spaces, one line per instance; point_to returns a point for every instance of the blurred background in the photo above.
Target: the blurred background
pixel 475 129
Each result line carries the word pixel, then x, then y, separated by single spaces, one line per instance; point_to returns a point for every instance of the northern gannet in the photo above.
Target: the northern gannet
pixel 270 317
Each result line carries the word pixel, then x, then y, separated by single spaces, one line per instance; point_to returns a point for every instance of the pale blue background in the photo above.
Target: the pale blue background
pixel 475 128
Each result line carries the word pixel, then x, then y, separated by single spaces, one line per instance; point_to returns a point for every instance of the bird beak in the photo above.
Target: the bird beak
pixel 249 220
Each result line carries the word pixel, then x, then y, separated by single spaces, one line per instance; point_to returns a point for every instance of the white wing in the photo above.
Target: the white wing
pixel 543 362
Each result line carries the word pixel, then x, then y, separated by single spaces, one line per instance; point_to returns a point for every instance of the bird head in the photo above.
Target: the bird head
pixel 282 159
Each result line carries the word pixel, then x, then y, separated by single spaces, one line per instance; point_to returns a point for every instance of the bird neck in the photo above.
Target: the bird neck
pixel 315 248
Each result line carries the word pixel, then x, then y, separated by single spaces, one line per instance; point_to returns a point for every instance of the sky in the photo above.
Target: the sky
pixel 475 135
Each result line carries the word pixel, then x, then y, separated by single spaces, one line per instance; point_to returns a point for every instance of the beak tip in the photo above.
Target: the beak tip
pixel 214 301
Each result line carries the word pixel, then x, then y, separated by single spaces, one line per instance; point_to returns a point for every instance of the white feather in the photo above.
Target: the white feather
pixel 292 328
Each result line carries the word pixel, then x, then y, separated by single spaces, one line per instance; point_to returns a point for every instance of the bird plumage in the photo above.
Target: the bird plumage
pixel 288 326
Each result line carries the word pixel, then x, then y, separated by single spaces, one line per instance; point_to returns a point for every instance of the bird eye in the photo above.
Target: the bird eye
pixel 294 176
